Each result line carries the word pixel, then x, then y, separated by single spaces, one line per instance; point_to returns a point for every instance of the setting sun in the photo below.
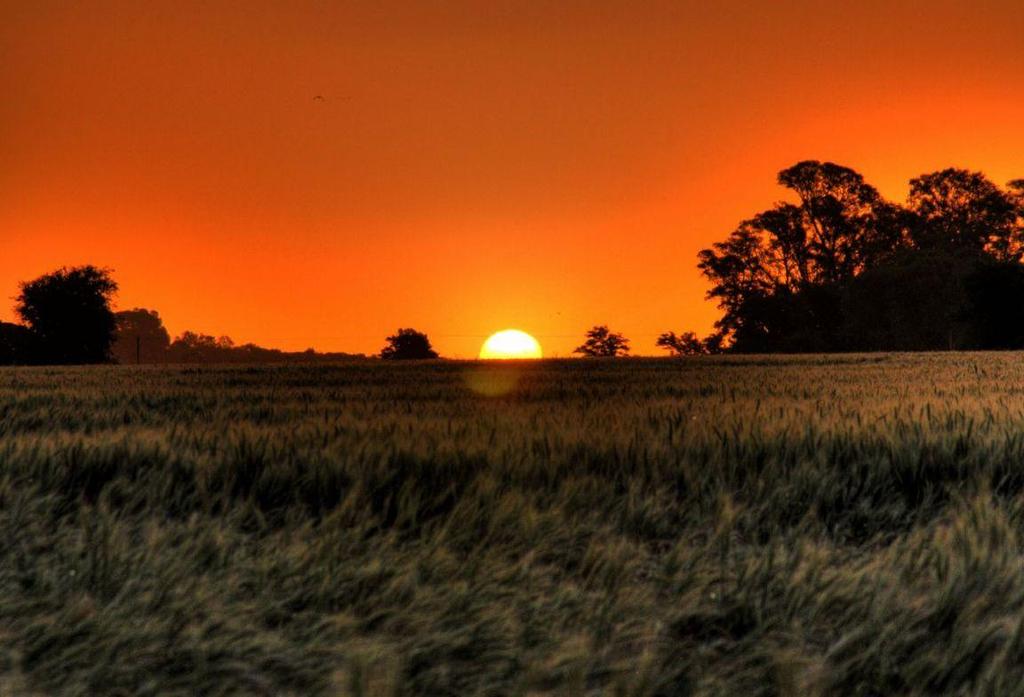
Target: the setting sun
pixel 510 343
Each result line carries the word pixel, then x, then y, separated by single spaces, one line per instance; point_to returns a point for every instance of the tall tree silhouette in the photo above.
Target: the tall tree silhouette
pixel 841 226
pixel 141 336
pixel 69 313
pixel 955 208
pixel 408 344
pixel 778 265
pixel 602 342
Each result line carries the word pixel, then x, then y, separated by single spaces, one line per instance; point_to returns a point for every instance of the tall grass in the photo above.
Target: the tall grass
pixel 784 526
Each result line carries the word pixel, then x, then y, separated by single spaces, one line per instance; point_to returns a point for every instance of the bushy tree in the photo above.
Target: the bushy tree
pixel 840 227
pixel 602 342
pixel 408 344
pixel 68 312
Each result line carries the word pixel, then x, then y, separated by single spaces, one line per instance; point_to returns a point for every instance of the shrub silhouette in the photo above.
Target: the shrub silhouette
pixel 408 344
pixel 602 342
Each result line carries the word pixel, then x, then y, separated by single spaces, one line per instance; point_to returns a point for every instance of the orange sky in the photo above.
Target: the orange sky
pixel 472 165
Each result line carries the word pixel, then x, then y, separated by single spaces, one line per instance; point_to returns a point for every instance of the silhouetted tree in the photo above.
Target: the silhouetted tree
pixel 408 344
pixel 602 342
pixel 841 226
pixel 141 336
pixel 69 313
pixel 844 269
pixel 685 344
pixel 17 344
pixel 961 209
pixel 763 273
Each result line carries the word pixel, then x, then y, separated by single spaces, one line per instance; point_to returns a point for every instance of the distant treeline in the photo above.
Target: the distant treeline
pixel 141 337
pixel 67 319
pixel 18 346
pixel 846 270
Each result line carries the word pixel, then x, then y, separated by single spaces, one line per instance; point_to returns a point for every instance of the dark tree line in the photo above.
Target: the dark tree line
pixel 141 337
pixel 843 269
pixel 67 319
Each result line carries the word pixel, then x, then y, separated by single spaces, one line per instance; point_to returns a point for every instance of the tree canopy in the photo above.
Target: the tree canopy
pixel 408 344
pixel 601 342
pixel 841 268
pixel 957 209
pixel 68 312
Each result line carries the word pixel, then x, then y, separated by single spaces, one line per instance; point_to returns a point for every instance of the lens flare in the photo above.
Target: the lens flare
pixel 510 343
pixel 493 380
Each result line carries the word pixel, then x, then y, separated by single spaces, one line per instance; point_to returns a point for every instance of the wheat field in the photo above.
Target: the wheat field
pixel 819 525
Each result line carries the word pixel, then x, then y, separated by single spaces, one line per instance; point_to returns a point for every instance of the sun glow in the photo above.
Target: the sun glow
pixel 510 343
